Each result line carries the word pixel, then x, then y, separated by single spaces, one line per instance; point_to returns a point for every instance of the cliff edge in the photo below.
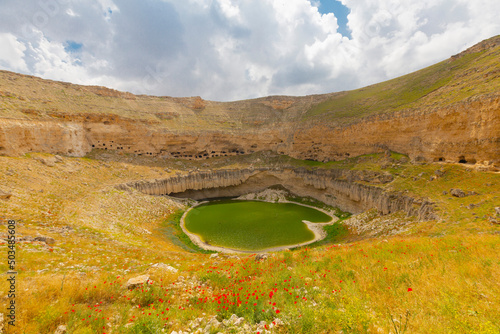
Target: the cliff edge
pixel 446 112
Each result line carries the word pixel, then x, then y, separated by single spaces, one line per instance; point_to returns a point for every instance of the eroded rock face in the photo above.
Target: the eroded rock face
pixel 466 131
pixel 336 187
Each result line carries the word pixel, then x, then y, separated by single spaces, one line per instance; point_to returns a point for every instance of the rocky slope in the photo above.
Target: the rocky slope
pixel 447 112
pixel 352 191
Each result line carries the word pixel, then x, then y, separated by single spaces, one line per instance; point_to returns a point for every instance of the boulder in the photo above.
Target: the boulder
pixel 439 173
pixel 4 195
pixel 233 321
pixel 457 193
pixel 47 240
pixel 60 330
pixel 164 266
pixel 277 322
pixel 137 281
pixel 497 210
pixel 260 257
pixel 49 162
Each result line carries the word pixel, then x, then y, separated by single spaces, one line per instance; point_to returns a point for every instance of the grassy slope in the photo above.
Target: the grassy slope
pixel 353 287
pixel 439 85
pixel 475 73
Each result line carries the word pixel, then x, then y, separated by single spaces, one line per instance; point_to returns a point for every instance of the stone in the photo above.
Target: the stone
pixel 497 210
pixel 47 240
pixel 214 255
pixel 4 195
pixel 214 323
pixel 137 281
pixel 457 193
pixel 164 267
pixel 61 329
pixel 439 173
pixel 49 162
pixel 445 192
pixel 419 160
pixel 1 322
pixel 234 320
pixel 260 257
pixel 278 322
pixel 58 158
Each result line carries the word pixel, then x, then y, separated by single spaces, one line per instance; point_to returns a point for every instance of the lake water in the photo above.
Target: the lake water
pixel 252 225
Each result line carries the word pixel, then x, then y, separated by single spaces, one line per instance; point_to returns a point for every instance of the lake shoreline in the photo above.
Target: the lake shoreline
pixel 316 228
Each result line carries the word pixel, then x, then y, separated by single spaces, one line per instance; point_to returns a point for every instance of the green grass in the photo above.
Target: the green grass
pixel 172 230
pixel 409 91
pixel 252 225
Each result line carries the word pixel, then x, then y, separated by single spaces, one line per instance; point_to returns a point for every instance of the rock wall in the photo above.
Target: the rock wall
pixel 335 187
pixel 467 131
pixel 23 136
pixel 464 132
pixel 457 119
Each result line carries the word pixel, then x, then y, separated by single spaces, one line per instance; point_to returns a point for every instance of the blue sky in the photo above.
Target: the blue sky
pixel 340 11
pixel 72 46
pixel 236 49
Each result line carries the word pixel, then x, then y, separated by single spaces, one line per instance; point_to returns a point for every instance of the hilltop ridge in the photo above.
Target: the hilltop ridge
pixel 445 112
pixel 95 181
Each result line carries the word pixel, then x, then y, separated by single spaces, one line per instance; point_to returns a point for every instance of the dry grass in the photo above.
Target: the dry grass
pixel 104 237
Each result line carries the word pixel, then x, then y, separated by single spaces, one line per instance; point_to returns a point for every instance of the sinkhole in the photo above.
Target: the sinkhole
pixel 254 226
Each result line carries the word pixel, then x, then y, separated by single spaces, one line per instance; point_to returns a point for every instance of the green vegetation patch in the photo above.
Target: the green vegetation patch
pixel 252 225
pixel 427 86
pixel 172 230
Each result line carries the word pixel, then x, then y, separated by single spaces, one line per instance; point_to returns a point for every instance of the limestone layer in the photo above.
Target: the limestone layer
pixel 467 131
pixel 447 112
pixel 336 187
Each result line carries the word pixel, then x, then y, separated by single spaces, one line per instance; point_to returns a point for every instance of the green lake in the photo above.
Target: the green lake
pixel 252 225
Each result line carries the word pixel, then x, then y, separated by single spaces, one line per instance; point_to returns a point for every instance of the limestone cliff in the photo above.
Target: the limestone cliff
pixel 336 187
pixel 447 112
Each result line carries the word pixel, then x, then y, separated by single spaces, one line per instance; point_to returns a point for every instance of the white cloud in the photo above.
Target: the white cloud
pixel 12 53
pixel 236 49
pixel 229 9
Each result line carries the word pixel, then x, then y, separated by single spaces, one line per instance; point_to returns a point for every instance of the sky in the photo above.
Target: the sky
pixel 236 49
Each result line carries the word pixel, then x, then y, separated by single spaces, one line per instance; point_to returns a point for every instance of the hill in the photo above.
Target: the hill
pixel 93 183
pixel 416 114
